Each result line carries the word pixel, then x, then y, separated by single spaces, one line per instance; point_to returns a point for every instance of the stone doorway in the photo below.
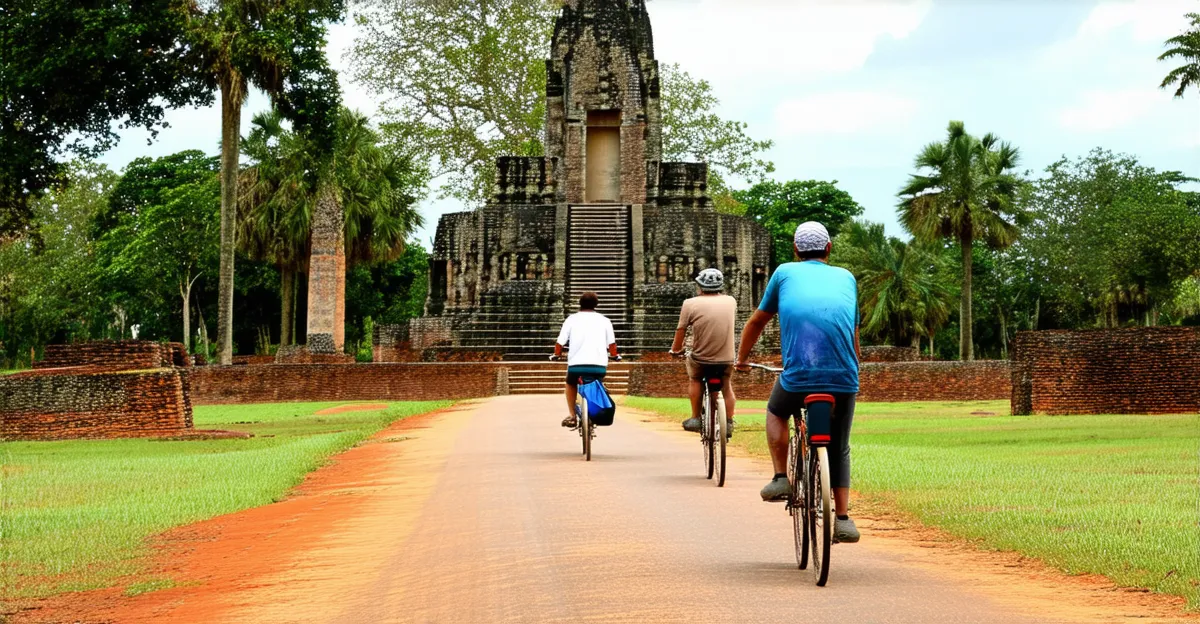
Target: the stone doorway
pixel 603 181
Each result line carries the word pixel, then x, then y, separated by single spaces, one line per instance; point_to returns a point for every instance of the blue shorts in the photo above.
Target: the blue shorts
pixel 574 373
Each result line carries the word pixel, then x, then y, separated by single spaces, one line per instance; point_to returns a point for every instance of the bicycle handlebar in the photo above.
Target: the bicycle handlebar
pixel 559 358
pixel 766 368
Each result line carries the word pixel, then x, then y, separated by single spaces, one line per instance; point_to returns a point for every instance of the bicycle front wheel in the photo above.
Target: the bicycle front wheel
pixel 585 431
pixel 820 509
pixel 797 477
pixel 721 431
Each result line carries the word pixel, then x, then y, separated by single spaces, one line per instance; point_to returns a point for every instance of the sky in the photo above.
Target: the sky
pixel 851 90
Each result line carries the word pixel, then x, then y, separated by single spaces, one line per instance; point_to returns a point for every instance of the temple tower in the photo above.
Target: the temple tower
pixel 600 211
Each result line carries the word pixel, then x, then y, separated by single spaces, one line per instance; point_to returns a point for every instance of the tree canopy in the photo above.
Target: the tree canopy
pixel 466 80
pixel 68 71
pixel 1184 47
pixel 781 206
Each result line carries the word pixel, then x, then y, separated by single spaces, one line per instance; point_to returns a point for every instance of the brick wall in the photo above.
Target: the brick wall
pixel 890 354
pixel 1146 370
pixel 909 381
pixel 86 403
pixel 891 381
pixel 113 355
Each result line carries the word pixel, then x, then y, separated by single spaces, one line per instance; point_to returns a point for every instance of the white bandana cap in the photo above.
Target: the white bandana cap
pixel 811 236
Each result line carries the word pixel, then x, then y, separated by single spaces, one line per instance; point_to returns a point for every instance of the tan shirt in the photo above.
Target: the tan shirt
pixel 711 318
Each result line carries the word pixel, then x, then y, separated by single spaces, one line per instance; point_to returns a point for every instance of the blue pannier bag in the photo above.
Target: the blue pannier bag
pixel 601 408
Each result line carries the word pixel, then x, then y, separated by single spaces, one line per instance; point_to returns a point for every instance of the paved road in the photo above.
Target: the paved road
pixel 488 514
pixel 519 528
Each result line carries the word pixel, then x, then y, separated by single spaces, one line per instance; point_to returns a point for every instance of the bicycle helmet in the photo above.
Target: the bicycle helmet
pixel 710 280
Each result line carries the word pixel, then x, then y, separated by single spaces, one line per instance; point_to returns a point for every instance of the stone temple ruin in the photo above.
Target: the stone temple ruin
pixel 600 211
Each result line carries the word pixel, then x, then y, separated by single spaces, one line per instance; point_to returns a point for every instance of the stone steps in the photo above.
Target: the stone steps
pixel 550 380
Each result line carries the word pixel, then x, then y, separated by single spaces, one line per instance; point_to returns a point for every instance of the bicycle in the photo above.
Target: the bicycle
pixel 810 501
pixel 714 428
pixel 583 420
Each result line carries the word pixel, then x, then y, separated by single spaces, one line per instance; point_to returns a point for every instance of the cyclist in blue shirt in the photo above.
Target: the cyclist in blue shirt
pixel 817 306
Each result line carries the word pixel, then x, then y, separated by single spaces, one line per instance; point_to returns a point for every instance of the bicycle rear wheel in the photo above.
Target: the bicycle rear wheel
pixel 820 511
pixel 797 477
pixel 707 436
pixel 585 431
pixel 720 431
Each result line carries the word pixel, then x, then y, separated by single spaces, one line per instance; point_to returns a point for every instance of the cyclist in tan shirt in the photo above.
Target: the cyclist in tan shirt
pixel 711 316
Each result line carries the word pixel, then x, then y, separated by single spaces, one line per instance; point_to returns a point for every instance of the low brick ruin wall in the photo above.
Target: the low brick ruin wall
pixel 905 381
pixel 880 382
pixel 113 355
pixel 82 402
pixel 1144 370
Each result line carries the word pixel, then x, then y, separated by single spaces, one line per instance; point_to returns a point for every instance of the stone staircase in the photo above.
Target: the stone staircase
pixel 599 253
pixel 549 379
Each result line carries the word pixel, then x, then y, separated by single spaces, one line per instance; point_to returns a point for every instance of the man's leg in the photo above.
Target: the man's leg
pixel 730 399
pixel 695 391
pixel 777 441
pixel 839 466
pixel 571 393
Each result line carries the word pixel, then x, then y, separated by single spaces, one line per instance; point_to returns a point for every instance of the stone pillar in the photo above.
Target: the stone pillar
pixel 327 277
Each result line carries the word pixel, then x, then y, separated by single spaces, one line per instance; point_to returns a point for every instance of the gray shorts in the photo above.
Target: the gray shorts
pixel 784 404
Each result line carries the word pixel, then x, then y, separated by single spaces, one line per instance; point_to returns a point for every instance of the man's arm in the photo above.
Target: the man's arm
pixel 680 334
pixel 857 346
pixel 750 335
pixel 612 350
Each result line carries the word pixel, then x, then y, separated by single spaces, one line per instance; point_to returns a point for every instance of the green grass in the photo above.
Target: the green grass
pixel 1111 495
pixel 77 514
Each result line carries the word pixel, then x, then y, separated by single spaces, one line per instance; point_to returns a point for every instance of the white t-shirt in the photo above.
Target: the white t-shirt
pixel 587 335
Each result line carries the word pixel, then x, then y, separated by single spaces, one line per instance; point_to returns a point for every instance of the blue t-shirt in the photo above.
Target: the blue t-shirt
pixel 817 306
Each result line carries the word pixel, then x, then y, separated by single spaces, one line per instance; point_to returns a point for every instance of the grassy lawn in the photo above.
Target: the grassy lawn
pixel 1112 495
pixel 76 514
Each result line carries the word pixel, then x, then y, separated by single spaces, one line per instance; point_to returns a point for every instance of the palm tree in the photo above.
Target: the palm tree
pixel 903 290
pixel 1187 47
pixel 966 192
pixel 276 46
pixel 374 188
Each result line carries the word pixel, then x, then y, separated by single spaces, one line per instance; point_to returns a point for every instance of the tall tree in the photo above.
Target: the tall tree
pixel 278 47
pixel 965 191
pixel 466 79
pixel 904 290
pixel 781 206
pixel 1185 47
pixel 68 70
pixel 376 188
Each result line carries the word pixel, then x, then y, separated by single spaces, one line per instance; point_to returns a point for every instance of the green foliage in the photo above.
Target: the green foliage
pixel 1113 237
pixel 49 292
pixel 390 294
pixel 464 79
pixel 964 192
pixel 1185 47
pixel 782 206
pixel 68 70
pixel 78 513
pixel 692 131
pixel 1090 475
pixel 904 289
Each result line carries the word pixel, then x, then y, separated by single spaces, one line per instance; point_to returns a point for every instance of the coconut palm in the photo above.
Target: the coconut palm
pixel 1187 48
pixel 374 187
pixel 276 46
pixel 903 289
pixel 966 192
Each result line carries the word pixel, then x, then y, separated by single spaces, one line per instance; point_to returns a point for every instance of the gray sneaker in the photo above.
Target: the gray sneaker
pixel 777 490
pixel 844 531
pixel 693 425
pixel 729 429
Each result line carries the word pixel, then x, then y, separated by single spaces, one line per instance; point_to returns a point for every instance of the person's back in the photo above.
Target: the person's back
pixel 818 314
pixel 711 316
pixel 817 305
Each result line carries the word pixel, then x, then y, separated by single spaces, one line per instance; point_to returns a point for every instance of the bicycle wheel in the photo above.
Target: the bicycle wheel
pixel 797 471
pixel 585 431
pixel 706 434
pixel 720 431
pixel 820 511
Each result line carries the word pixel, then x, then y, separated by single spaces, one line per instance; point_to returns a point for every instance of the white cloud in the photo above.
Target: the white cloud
pixel 780 39
pixel 1100 111
pixel 1148 20
pixel 843 112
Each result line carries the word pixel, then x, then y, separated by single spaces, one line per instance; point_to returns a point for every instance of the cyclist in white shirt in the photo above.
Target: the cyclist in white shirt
pixel 589 336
